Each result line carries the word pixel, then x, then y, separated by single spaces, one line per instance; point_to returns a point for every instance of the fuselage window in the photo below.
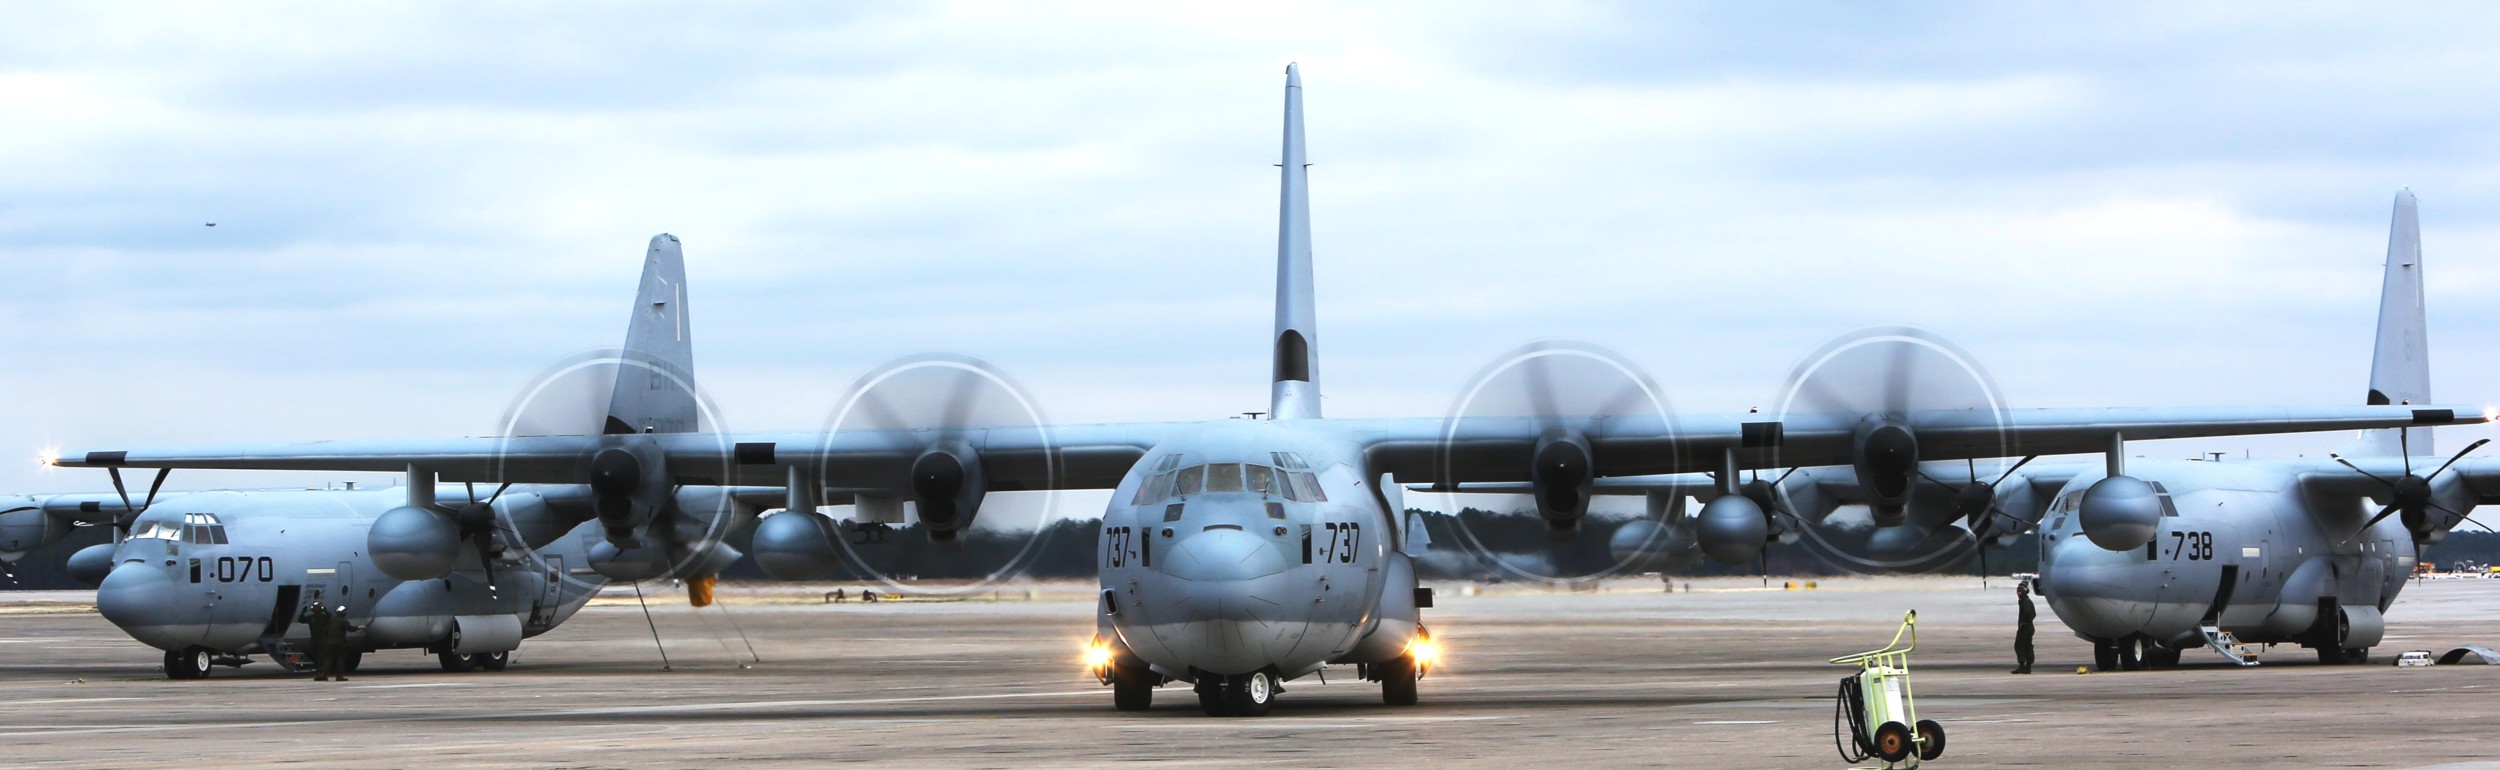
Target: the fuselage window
pixel 1172 512
pixel 1188 480
pixel 1223 477
pixel 1275 510
pixel 1262 479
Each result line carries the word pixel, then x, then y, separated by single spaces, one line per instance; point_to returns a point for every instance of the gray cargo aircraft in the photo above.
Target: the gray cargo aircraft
pixel 214 577
pixel 2193 554
pixel 1241 554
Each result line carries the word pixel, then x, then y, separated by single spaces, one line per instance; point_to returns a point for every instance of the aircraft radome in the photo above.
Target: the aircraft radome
pixel 1240 555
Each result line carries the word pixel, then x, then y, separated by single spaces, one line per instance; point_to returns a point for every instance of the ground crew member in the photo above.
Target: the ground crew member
pixel 2022 628
pixel 330 645
pixel 316 617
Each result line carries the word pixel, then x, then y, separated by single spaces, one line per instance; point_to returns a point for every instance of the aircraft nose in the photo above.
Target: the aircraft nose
pixel 137 597
pixel 1223 554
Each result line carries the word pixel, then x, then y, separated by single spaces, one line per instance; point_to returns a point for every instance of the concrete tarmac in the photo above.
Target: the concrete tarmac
pixel 1730 676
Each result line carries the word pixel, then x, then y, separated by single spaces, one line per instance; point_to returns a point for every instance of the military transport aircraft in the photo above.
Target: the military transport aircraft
pixel 2188 554
pixel 466 573
pixel 1239 555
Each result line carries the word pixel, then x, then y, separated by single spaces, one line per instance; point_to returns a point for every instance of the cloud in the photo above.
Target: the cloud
pixel 419 206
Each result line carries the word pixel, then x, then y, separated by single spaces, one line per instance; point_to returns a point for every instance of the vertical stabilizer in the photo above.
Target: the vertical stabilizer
pixel 654 391
pixel 1295 392
pixel 2400 367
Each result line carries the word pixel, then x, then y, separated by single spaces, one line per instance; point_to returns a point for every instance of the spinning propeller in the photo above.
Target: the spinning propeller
pixel 2410 494
pixel 1872 382
pixel 1566 391
pixel 932 430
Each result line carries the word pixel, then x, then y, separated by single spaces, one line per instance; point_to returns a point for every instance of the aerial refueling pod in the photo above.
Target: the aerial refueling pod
pixel 2120 513
pixel 1732 529
pixel 796 545
pixel 948 486
pixel 1563 475
pixel 413 543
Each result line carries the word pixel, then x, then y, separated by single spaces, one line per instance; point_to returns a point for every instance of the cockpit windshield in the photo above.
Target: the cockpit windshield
pixel 1288 483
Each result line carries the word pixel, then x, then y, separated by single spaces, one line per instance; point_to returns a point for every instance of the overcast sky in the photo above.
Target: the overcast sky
pixel 418 207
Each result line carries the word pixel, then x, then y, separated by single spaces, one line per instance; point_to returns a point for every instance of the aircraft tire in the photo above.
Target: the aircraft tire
pixel 187 663
pixel 1251 694
pixel 492 661
pixel 2357 655
pixel 1132 689
pixel 2104 654
pixel 1211 697
pixel 1397 682
pixel 354 659
pixel 455 662
pixel 2130 654
pixel 2157 656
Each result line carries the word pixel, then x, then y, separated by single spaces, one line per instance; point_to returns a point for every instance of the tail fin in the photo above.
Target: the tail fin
pixel 655 390
pixel 1295 389
pixel 2400 368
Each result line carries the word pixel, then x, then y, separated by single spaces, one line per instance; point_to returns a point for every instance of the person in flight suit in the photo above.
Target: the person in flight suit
pixel 315 617
pixel 329 628
pixel 2022 628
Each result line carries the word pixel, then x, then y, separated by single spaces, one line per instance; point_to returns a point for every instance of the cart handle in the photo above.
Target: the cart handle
pixel 1909 628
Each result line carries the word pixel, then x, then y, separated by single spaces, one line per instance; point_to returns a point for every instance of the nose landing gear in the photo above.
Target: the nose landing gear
pixel 1239 695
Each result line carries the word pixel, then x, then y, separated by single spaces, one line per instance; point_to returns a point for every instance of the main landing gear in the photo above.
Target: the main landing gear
pixel 460 664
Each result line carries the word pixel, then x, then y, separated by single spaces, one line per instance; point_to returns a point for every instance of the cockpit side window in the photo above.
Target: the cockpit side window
pixel 1188 480
pixel 1223 477
pixel 1262 479
pixel 1306 487
pixel 1153 489
pixel 1169 462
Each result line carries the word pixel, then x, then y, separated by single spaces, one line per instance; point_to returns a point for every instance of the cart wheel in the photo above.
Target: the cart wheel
pixel 1930 739
pixel 1892 742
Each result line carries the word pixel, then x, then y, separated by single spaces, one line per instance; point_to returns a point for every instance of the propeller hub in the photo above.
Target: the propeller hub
pixel 614 473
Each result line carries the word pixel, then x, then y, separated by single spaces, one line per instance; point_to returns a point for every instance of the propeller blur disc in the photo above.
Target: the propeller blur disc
pixel 1892 372
pixel 1558 387
pixel 917 402
pixel 572 398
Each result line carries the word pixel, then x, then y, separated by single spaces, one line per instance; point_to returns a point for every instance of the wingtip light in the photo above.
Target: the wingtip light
pixel 48 457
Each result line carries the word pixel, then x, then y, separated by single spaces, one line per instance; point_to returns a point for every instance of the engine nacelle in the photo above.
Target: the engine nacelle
pixel 1642 545
pixel 1731 529
pixel 26 526
pixel 796 545
pixel 1885 456
pixel 2120 513
pixel 90 564
pixel 413 543
pixel 947 487
pixel 1563 472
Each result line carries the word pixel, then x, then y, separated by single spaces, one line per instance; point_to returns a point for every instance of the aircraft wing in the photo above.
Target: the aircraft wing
pixel 1425 450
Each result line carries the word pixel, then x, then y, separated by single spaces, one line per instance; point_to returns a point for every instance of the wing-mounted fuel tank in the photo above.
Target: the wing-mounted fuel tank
pixel 1662 541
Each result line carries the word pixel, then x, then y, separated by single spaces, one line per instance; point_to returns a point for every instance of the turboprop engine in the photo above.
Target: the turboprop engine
pixel 1885 456
pixel 413 543
pixel 2120 513
pixel 1563 479
pixel 948 486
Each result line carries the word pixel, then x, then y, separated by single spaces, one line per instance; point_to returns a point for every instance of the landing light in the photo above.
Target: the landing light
pixel 1097 657
pixel 1424 652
